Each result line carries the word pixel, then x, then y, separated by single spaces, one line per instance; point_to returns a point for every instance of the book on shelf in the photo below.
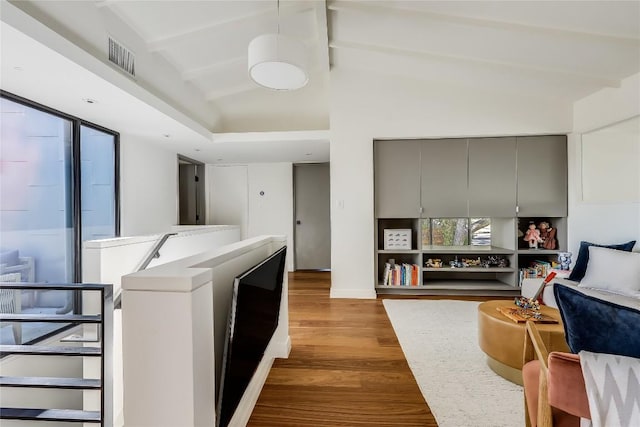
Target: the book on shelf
pixel 400 275
pixel 537 270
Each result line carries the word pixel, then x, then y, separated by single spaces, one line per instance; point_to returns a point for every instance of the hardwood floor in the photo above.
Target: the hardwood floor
pixel 346 367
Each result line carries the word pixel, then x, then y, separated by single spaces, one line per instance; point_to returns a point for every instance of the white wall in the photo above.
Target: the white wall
pixel 605 223
pixel 271 213
pixel 228 201
pixel 148 187
pixel 364 107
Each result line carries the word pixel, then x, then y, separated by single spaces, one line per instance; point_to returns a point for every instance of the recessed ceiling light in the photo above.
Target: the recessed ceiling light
pixel 197 149
pixel 166 135
pixel 18 68
pixel 90 100
pixel 219 160
pixel 308 154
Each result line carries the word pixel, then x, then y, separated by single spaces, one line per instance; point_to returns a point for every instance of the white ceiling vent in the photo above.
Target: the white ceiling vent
pixel 122 57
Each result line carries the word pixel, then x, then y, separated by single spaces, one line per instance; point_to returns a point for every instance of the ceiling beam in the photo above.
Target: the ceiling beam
pixel 424 55
pixel 384 11
pixel 104 3
pixel 323 35
pixel 163 42
pixel 273 136
pixel 233 90
pixel 195 73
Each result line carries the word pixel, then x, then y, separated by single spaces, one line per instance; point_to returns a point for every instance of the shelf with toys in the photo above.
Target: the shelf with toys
pixel 536 259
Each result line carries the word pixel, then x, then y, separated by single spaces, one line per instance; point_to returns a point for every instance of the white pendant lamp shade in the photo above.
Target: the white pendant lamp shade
pixel 278 62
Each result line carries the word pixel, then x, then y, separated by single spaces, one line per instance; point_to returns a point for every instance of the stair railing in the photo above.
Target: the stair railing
pixel 154 252
pixel 104 351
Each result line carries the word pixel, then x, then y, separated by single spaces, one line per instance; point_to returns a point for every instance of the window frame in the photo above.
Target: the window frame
pixel 76 207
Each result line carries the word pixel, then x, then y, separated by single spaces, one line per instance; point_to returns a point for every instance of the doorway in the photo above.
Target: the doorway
pixel 191 204
pixel 312 216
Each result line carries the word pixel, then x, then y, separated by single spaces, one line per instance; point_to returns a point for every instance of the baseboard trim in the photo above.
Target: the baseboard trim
pixel 353 293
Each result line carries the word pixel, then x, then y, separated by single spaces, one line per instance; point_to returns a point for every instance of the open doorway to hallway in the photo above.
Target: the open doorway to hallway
pixel 191 200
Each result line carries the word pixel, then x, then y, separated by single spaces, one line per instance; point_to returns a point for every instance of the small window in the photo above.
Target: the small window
pixel 450 231
pixel 456 231
pixel 480 231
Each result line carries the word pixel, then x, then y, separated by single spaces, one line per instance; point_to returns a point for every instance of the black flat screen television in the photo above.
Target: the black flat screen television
pixel 253 318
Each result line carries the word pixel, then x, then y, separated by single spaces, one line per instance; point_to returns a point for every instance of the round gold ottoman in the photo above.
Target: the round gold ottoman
pixel 503 340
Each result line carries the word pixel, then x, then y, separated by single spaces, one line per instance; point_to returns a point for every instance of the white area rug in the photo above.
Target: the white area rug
pixel 440 341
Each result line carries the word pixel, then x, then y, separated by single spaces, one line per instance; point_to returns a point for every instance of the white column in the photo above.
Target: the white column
pixel 168 350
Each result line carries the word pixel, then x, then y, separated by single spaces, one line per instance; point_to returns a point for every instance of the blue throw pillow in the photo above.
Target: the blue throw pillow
pixel 597 325
pixel 583 257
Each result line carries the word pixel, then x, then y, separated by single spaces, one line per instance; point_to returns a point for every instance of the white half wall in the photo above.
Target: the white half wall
pixel 148 187
pixel 190 300
pixel 605 223
pixel 365 107
pixel 234 198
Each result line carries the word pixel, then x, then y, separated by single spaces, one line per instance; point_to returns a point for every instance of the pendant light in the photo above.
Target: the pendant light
pixel 278 62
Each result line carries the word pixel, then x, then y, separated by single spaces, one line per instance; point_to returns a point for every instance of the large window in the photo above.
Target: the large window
pixel 58 187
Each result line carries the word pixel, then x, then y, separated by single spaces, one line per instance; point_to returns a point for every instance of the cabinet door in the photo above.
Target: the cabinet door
pixel 397 179
pixel 492 177
pixel 542 176
pixel 444 178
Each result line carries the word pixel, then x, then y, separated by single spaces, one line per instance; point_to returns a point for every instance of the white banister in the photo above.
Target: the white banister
pixel 174 320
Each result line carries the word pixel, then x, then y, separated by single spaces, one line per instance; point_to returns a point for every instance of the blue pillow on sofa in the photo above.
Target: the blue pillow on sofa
pixel 583 257
pixel 596 325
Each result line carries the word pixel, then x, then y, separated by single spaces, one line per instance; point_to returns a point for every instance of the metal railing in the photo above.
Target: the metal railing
pixel 104 322
pixel 154 252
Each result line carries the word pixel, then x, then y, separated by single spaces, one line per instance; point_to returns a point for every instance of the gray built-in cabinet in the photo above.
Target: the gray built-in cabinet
pixel 542 176
pixel 511 180
pixel 397 180
pixel 443 177
pixel 492 172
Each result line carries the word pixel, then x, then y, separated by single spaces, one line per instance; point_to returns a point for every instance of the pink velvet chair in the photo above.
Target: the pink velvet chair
pixel 554 390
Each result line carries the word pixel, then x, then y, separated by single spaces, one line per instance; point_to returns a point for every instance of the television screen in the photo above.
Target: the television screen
pixel 253 318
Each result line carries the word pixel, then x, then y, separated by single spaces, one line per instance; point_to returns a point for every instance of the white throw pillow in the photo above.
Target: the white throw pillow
pixel 613 271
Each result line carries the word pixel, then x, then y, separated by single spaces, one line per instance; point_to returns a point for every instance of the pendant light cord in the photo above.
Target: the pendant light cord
pixel 278 6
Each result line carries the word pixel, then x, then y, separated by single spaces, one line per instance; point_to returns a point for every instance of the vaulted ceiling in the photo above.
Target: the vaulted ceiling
pixel 196 51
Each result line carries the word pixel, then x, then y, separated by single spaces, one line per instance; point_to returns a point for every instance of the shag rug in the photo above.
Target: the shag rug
pixel 440 341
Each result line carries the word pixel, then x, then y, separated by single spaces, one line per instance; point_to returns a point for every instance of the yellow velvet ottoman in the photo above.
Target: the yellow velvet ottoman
pixel 503 340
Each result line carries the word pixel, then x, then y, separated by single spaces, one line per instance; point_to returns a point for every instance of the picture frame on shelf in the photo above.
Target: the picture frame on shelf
pixel 397 239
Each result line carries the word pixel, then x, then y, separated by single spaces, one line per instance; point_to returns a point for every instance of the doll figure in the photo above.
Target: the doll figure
pixel 548 235
pixel 565 260
pixel 532 236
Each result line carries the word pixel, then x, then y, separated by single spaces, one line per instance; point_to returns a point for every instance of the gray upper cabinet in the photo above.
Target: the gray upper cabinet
pixel 542 176
pixel 397 179
pixel 444 178
pixel 492 177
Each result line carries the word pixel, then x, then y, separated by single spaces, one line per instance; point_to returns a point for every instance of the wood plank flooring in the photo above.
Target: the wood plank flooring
pixel 346 367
